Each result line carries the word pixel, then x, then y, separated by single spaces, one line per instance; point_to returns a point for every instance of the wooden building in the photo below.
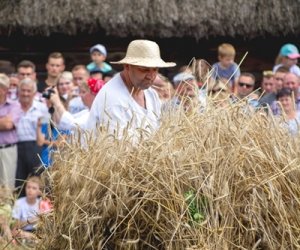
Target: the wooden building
pixel 184 29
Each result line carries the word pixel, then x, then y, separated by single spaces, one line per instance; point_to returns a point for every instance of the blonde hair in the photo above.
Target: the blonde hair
pixel 35 179
pixel 226 49
pixel 66 75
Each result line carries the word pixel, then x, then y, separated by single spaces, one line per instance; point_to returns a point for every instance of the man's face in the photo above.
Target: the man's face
pixel 278 80
pixel 141 77
pixel 268 85
pixel 26 94
pixel 27 72
pixel 55 67
pixel 80 76
pixel 291 81
pixel 245 86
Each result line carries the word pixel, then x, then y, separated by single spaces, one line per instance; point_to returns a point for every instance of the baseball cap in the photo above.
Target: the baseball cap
pixel 184 76
pixel 289 50
pixel 100 48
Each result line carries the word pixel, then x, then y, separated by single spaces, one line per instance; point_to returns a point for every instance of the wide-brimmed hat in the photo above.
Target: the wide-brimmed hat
pixel 144 53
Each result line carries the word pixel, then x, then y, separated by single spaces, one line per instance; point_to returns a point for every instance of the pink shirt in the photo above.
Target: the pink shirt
pixel 13 109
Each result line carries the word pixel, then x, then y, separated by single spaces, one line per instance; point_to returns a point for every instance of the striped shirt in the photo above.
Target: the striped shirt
pixel 27 127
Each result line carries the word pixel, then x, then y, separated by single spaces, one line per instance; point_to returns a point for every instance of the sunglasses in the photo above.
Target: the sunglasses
pixel 247 85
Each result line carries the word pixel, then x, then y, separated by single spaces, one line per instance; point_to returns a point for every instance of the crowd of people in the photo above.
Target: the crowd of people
pixel 36 118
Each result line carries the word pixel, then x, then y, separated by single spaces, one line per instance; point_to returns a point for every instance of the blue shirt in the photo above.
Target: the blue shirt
pixel 51 134
pixel 105 67
pixel 226 73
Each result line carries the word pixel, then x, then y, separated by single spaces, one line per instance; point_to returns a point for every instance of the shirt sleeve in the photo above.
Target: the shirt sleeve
pixel 15 113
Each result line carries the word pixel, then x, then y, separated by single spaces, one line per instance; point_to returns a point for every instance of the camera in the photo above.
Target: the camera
pixel 47 94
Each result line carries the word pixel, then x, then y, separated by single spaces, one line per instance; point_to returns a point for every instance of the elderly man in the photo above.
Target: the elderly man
pixel 127 100
pixel 32 111
pixel 9 115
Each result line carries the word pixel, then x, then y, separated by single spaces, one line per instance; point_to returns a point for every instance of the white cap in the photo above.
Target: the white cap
pixel 100 48
pixel 184 76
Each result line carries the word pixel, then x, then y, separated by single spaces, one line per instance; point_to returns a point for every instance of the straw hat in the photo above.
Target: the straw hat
pixel 144 53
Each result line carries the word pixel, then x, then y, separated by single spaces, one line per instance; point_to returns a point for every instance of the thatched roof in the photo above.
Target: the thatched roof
pixel 156 18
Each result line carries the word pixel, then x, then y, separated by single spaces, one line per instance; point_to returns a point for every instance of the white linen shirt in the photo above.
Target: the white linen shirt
pixel 70 121
pixel 27 125
pixel 115 107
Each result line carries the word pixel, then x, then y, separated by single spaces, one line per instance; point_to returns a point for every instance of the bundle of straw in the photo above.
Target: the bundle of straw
pixel 223 179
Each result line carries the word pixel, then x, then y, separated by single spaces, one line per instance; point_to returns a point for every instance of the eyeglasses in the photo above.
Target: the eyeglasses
pixel 247 85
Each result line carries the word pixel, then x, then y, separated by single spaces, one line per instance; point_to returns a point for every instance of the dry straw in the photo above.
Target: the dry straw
pixel 227 178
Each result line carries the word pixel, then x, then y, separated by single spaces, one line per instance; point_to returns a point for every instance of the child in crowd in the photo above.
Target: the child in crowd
pixel 27 208
pixel 226 69
pixel 288 57
pixel 98 56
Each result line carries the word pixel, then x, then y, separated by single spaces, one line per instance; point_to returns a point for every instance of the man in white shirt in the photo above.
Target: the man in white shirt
pixel 127 100
pixel 28 150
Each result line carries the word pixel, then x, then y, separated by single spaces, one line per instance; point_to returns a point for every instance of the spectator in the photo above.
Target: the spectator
pixel 10 113
pixel 245 88
pixel 278 77
pixel 128 97
pixel 202 71
pixel 49 137
pixel 268 88
pixel 98 55
pixel 26 209
pixel 14 82
pixel 28 150
pixel 80 76
pixel 55 66
pixel 291 116
pixel 288 57
pixel 186 92
pixel 226 69
pixel 65 85
pixel 26 69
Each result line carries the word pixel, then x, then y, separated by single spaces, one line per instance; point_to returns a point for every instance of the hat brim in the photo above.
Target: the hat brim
pixel 293 56
pixel 145 62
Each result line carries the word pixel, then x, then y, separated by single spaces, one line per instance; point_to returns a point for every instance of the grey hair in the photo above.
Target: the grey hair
pixel 27 81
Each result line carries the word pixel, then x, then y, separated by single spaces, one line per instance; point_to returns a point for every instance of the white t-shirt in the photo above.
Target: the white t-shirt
pixel 23 211
pixel 115 107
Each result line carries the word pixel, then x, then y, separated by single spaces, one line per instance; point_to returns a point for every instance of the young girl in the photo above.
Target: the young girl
pixel 288 57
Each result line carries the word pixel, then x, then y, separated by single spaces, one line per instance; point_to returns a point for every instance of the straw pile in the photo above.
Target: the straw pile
pixel 225 179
